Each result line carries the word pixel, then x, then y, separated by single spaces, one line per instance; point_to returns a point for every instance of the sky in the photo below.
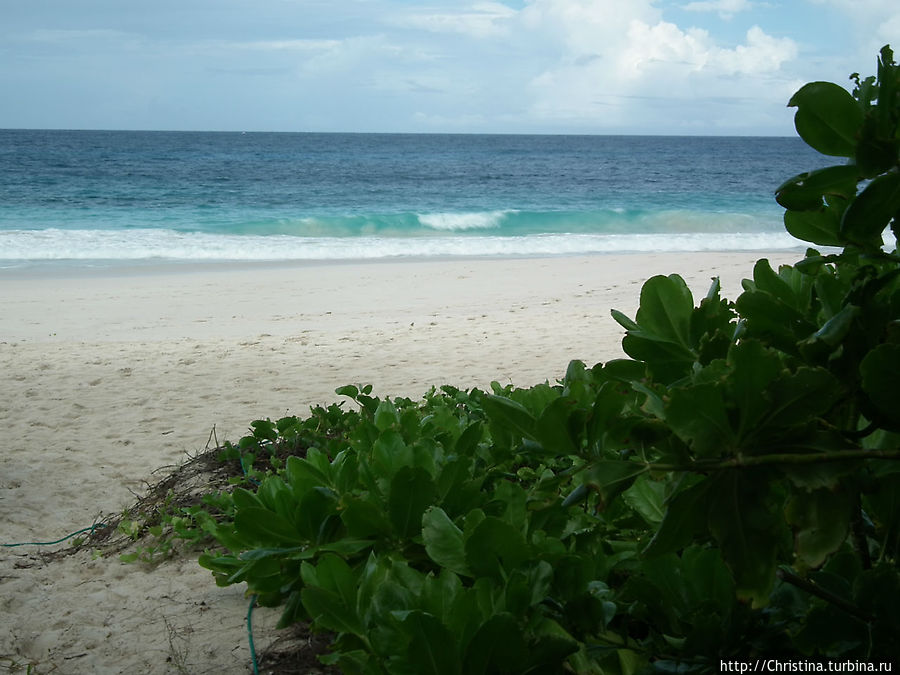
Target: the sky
pixel 711 67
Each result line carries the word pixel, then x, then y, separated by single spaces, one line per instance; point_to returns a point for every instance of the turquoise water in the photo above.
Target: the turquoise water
pixel 185 196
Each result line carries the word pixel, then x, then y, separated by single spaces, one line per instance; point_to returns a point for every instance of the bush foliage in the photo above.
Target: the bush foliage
pixel 730 490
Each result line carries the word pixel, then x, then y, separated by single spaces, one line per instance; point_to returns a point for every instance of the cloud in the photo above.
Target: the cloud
pixel 761 54
pixel 480 20
pixel 615 54
pixel 726 9
pixel 584 26
pixel 878 21
pixel 527 65
pixel 286 45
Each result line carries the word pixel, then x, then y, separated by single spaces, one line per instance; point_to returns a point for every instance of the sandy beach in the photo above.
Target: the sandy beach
pixel 113 375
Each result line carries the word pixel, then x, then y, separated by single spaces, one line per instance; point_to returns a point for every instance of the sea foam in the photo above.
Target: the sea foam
pixel 479 220
pixel 156 244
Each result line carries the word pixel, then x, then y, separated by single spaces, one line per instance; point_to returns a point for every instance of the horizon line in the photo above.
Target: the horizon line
pixel 399 133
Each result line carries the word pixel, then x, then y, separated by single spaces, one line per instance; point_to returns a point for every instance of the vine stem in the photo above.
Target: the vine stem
pixel 814 589
pixel 784 459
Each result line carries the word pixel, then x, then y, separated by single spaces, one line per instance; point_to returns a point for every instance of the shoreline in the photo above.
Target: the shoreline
pixel 110 378
pixel 77 268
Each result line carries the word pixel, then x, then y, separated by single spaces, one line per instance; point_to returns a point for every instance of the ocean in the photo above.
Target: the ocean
pixel 122 197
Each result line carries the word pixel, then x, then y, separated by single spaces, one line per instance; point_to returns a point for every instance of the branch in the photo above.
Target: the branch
pixel 780 459
pixel 814 589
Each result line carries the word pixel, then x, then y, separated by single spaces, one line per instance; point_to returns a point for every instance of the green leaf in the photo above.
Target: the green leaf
pixel 345 471
pixel 412 491
pixel 264 430
pixel 468 440
pixel 608 478
pixel 352 662
pixel 666 308
pixel 661 335
pixel 432 647
pixel 686 515
pixel 772 321
pixel 747 532
pixel 882 506
pixel 347 390
pixel 386 415
pixel 698 417
pixel 712 325
pixel 441 597
pixel 529 587
pixel 244 499
pixel 314 513
pixel 373 576
pixel 801 396
pixel 880 370
pixel 874 154
pixel 668 361
pixel 683 584
pixel 493 546
pixel 869 214
pixel 389 454
pixel 818 346
pixel 444 541
pixel 805 191
pixel 647 497
pixel 334 574
pixel 821 521
pixel 328 610
pixel 754 369
pixel 769 281
pixel 497 647
pixel 623 320
pixel 265 527
pixel 345 546
pixel 820 227
pixel 302 475
pixel 512 501
pixel 551 646
pixel 552 427
pixel 827 118
pixel 364 517
pixel 509 415
pixel 292 552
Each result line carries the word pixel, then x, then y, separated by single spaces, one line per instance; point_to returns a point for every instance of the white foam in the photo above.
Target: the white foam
pixel 478 220
pixel 150 244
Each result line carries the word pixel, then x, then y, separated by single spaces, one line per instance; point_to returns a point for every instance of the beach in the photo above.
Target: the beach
pixel 114 375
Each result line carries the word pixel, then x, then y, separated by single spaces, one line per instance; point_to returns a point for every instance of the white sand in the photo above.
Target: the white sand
pixel 109 375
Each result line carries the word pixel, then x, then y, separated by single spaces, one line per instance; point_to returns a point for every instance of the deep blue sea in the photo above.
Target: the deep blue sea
pixel 97 197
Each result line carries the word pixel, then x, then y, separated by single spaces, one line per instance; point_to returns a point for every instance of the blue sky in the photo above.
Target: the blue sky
pixel 517 66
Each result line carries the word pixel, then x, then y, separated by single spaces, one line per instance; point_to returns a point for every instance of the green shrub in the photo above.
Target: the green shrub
pixel 731 490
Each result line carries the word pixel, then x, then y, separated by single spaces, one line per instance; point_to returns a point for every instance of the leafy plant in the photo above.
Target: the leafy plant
pixel 730 490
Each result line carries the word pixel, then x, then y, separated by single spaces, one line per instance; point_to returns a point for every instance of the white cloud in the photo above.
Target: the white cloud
pixel 761 54
pixel 480 20
pixel 585 26
pixel 725 8
pixel 552 65
pixel 615 68
pixel 286 45
pixel 877 21
pixel 357 55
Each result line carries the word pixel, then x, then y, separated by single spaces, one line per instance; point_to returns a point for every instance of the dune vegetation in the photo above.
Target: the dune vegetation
pixel 730 492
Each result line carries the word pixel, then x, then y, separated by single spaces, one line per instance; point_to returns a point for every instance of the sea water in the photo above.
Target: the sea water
pixel 107 197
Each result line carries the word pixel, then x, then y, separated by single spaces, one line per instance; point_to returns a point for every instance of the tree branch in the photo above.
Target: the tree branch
pixel 814 589
pixel 780 459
